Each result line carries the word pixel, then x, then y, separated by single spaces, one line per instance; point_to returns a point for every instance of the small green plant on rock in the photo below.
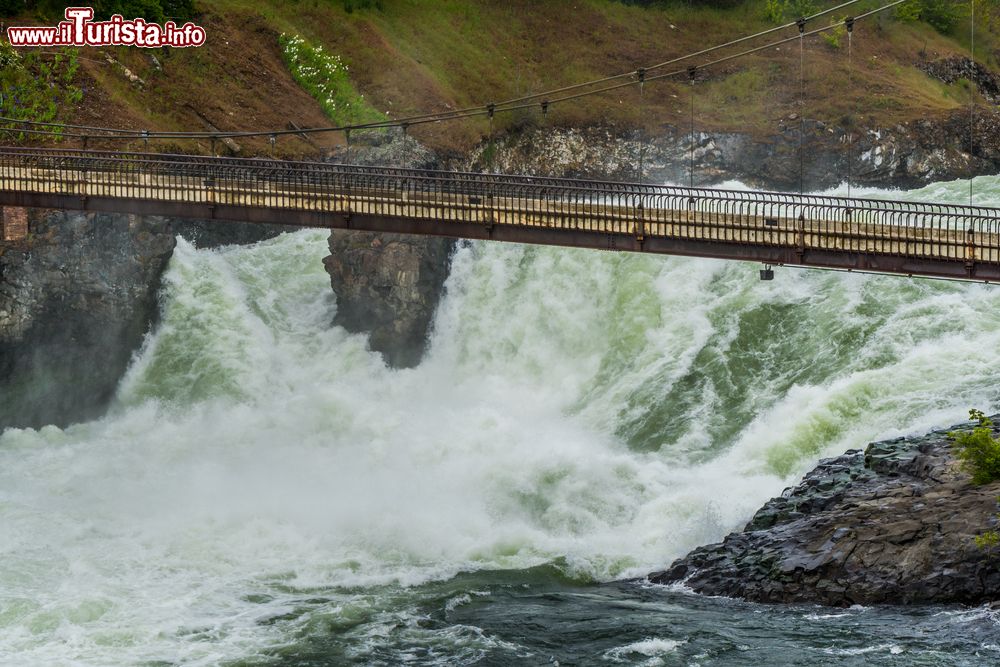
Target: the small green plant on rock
pixel 978 450
pixel 988 540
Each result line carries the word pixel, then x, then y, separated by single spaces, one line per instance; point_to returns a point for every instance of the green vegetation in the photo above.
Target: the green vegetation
pixel 152 10
pixel 324 76
pixel 989 540
pixel 36 87
pixel 833 37
pixel 943 15
pixel 783 11
pixel 351 5
pixel 979 453
pixel 978 450
pixel 417 56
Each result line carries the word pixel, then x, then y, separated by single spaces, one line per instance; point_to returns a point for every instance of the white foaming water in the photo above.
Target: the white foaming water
pixel 652 649
pixel 607 412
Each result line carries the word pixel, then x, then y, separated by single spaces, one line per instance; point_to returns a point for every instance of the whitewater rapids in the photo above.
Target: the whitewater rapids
pixel 262 476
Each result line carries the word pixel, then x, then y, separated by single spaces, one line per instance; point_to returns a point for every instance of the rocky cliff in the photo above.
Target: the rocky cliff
pixel 893 524
pixel 905 155
pixel 76 299
pixel 388 285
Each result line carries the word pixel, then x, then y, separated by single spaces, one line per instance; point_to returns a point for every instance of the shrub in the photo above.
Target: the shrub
pixel 151 10
pixel 783 11
pixel 833 37
pixel 987 541
pixel 942 15
pixel 325 77
pixel 11 7
pixel 351 5
pixel 34 86
pixel 908 12
pixel 774 11
pixel 798 8
pixel 10 59
pixel 722 4
pixel 978 450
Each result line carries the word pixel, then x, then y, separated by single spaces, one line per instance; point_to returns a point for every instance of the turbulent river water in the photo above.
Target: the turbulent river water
pixel 265 491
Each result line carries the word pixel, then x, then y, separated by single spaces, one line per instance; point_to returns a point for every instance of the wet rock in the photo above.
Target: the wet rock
pixel 76 301
pixel 389 147
pixel 954 68
pixel 388 285
pixel 213 233
pixel 905 155
pixel 893 524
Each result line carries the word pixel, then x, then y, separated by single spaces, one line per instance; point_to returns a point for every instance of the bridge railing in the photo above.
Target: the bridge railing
pixel 805 222
pixel 261 168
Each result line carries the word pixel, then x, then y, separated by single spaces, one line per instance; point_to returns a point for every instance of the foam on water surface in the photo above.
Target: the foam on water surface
pixel 263 477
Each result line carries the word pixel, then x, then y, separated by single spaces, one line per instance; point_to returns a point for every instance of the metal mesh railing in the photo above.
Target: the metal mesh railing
pixel 804 222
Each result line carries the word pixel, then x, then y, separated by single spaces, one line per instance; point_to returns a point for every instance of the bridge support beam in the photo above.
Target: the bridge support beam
pixel 793 254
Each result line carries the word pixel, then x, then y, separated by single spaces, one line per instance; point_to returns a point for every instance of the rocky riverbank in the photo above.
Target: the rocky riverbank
pixel 891 524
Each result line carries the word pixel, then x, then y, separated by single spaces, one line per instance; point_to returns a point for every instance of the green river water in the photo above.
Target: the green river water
pixel 265 491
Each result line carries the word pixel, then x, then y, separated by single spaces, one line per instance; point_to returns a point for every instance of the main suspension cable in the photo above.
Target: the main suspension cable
pixel 692 72
pixel 850 77
pixel 802 103
pixel 972 92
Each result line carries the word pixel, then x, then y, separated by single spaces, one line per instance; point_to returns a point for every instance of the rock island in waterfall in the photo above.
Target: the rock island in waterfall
pixel 462 332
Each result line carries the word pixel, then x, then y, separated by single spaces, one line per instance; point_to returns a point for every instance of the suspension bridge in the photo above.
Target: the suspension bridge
pixel 917 239
pixel 855 234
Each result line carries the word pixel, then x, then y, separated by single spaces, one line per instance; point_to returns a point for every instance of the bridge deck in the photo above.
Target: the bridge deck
pixel 898 237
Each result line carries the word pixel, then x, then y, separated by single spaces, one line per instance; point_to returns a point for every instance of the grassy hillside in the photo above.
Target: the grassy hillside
pixel 412 56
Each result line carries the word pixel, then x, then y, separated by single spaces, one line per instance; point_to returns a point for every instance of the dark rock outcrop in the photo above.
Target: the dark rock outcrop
pixel 893 524
pixel 215 233
pixel 388 285
pixel 952 69
pixel 75 302
pixel 904 155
